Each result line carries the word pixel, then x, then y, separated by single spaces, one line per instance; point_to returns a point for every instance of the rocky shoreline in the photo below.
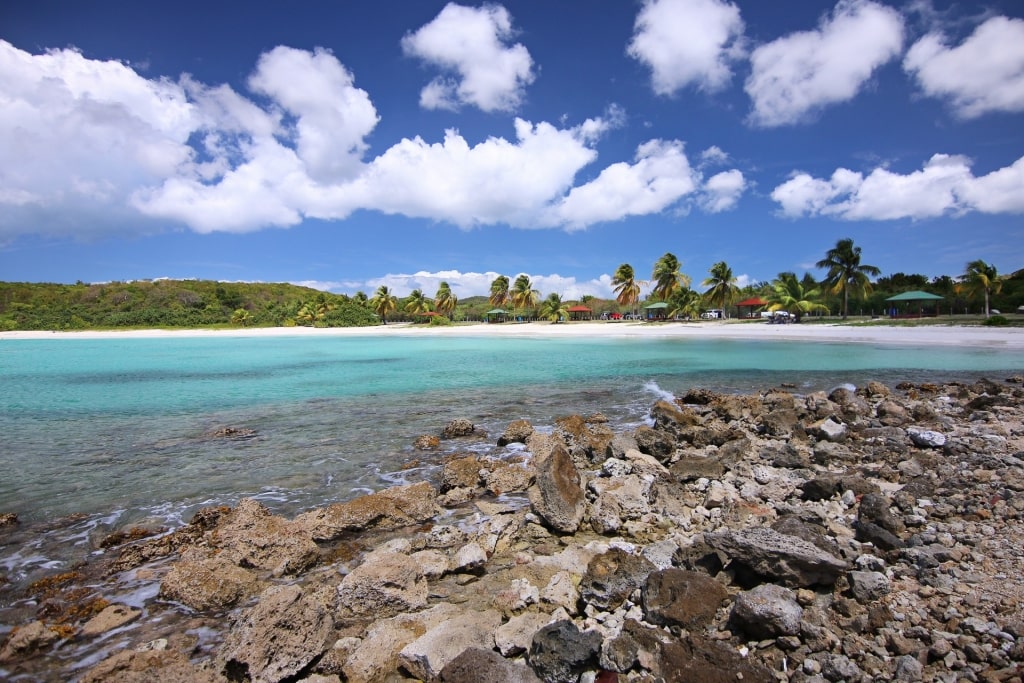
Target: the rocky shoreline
pixel 865 535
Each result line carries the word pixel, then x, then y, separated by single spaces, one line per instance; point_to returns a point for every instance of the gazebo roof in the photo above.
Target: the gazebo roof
pixel 497 311
pixel 660 304
pixel 916 295
pixel 579 309
pixel 753 302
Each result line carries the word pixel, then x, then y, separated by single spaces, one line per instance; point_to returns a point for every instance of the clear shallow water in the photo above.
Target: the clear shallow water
pixel 96 426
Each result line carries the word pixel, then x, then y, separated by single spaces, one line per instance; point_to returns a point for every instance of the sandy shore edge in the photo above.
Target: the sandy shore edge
pixel 1008 338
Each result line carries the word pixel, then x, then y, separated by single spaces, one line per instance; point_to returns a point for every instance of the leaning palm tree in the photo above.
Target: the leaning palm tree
pixel 523 293
pixel 667 277
pixel 384 302
pixel 722 286
pixel 846 274
pixel 499 292
pixel 445 299
pixel 982 277
pixel 793 295
pixel 553 308
pixel 417 302
pixel 684 302
pixel 626 286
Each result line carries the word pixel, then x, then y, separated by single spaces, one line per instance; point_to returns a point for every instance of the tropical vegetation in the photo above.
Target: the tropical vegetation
pixel 523 294
pixel 722 287
pixel 982 277
pixel 626 286
pixel 384 303
pixel 846 274
pixel 667 277
pixel 553 308
pixel 798 297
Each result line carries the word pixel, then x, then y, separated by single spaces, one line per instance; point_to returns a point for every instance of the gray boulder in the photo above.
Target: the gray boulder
pixel 206 581
pixel 557 496
pixel 560 652
pixel 426 656
pixel 866 587
pixel 767 611
pixel 457 427
pixel 386 584
pixel 926 438
pixel 788 559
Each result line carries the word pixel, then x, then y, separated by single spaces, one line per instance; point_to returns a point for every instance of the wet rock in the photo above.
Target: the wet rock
pixel 426 442
pixel 8 519
pixel 231 433
pixel 461 472
pixel 517 431
pixel 276 639
pixel 787 559
pixel 249 536
pixel 146 666
pixel 560 652
pixel 456 428
pixel 207 581
pixel 112 616
pixel 385 584
pixel 388 509
pixel 612 576
pixel 28 639
pixel 677 597
pixel 926 438
pixel 506 477
pixel 557 496
pixel 767 611
pixel 426 656
pixel 476 664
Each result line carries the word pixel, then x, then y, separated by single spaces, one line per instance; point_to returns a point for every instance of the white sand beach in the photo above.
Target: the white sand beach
pixel 952 335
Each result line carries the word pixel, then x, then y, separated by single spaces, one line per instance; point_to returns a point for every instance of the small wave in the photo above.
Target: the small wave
pixel 849 387
pixel 652 387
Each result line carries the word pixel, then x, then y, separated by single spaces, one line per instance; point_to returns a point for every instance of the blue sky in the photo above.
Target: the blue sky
pixel 347 145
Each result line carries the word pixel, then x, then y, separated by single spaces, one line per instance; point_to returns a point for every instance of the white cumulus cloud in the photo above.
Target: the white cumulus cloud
pixel 945 185
pixel 688 42
pixel 722 191
pixel 797 75
pixel 471 46
pixel 983 74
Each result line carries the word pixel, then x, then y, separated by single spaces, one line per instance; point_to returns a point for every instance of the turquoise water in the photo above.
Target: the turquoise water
pixel 120 428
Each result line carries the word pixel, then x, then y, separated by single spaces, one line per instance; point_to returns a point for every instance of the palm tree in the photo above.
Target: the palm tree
pixel 417 302
pixel 846 274
pixel 241 317
pixel 523 293
pixel 683 302
pixel 361 298
pixel 313 313
pixel 445 299
pixel 384 302
pixel 982 277
pixel 553 308
pixel 792 295
pixel 499 292
pixel 667 277
pixel 722 285
pixel 626 286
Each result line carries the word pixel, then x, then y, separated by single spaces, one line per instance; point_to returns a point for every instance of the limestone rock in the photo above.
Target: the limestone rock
pixel 249 536
pixel 506 477
pixel 386 584
pixel 427 442
pixel 926 438
pixel 112 616
pixel 560 652
pixel 517 431
pixel 619 499
pixel 767 611
pixel 377 653
pixel 146 666
pixel 557 496
pixel 475 665
pixel 653 442
pixel 790 560
pixel 678 597
pixel 612 576
pixel 388 509
pixel 30 638
pixel 426 656
pixel 514 636
pixel 205 581
pixel 461 472
pixel 278 637
pixel 829 430
pixel 457 427
pixel 470 559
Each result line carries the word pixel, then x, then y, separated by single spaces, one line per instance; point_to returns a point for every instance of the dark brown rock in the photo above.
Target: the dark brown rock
pixel 695 659
pixel 654 442
pixel 557 495
pixel 166 666
pixel 518 431
pixel 677 597
pixel 612 576
pixel 461 472
pixel 458 427
pixel 391 508
pixel 560 652
pixel 475 665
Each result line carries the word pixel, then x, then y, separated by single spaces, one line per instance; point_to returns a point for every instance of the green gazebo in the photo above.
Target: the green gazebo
pixel 656 311
pixel 909 298
pixel 496 315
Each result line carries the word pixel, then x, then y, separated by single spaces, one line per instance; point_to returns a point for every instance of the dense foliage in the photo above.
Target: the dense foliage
pixel 173 303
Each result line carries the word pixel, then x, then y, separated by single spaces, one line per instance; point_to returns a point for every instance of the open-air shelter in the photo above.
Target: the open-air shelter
pixel 753 304
pixel 580 312
pixel 496 315
pixel 656 311
pixel 910 298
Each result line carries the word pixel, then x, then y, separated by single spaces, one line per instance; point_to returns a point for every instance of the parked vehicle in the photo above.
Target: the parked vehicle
pixel 713 314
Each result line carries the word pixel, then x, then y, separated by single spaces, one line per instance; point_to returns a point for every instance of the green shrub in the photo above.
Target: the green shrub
pixel 439 321
pixel 996 321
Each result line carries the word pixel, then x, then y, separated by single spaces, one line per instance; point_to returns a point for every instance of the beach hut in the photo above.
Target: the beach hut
pixel 496 315
pixel 656 311
pixel 753 304
pixel 911 298
pixel 579 313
